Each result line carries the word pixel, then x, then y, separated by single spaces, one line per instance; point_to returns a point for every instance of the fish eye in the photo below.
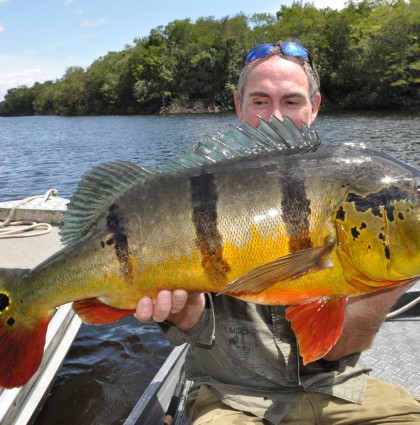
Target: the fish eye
pixel 418 186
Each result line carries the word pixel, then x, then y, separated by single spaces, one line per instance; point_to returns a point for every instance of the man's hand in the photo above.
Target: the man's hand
pixel 178 307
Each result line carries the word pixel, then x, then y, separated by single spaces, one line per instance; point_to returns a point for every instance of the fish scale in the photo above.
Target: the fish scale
pixel 267 215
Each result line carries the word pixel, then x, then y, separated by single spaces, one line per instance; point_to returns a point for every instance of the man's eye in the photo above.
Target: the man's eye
pixel 259 102
pixel 294 101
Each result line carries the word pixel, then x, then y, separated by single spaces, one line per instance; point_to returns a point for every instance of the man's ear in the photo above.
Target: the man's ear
pixel 315 107
pixel 238 105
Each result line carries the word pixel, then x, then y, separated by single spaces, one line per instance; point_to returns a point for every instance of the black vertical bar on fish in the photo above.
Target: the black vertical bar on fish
pixel 295 208
pixel 119 239
pixel 204 216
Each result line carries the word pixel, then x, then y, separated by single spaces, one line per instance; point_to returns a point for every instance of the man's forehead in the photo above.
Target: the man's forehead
pixel 276 67
pixel 266 75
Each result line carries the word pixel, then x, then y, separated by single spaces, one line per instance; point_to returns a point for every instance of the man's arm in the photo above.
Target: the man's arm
pixel 364 317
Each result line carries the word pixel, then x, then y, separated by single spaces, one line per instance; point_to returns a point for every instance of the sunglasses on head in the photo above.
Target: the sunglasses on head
pixel 288 48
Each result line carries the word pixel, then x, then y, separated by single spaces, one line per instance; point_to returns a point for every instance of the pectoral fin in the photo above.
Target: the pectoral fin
pixel 94 312
pixel 317 325
pixel 283 268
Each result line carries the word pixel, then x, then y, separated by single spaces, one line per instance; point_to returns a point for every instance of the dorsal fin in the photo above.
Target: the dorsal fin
pixel 103 183
pixel 97 188
pixel 272 135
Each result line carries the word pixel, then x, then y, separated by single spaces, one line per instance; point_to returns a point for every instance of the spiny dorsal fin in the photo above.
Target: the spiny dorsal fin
pixel 272 135
pixel 103 183
pixel 97 188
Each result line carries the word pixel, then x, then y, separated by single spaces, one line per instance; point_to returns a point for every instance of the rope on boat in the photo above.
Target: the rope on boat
pixel 403 309
pixel 26 227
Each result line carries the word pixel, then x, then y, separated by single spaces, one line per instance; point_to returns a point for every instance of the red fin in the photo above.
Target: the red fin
pixel 94 312
pixel 318 325
pixel 21 350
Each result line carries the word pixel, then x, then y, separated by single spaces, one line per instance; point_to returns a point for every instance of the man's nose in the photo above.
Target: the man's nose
pixel 277 113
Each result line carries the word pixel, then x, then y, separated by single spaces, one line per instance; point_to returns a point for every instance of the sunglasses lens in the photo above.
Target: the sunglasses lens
pixel 260 51
pixel 293 49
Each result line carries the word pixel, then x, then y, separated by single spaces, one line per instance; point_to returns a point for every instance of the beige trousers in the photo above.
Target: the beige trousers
pixel 384 403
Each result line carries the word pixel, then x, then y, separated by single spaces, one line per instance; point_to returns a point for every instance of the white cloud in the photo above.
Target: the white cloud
pixel 27 68
pixel 26 76
pixel 1 27
pixel 3 2
pixel 92 24
pixel 48 62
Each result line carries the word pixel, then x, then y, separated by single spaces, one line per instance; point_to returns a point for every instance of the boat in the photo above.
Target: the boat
pixel 165 395
pixel 394 357
pixel 29 235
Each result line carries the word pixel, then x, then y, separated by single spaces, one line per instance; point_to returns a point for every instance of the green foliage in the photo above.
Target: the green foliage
pixel 367 56
pixel 18 101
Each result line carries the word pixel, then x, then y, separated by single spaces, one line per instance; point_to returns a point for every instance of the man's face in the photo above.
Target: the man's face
pixel 277 86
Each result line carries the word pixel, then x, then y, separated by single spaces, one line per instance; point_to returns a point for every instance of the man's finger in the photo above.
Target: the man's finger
pixel 163 306
pixel 179 299
pixel 144 309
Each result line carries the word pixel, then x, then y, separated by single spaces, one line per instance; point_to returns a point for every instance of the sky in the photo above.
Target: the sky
pixel 40 39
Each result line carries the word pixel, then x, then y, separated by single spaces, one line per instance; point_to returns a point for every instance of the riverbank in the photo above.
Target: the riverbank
pixel 201 106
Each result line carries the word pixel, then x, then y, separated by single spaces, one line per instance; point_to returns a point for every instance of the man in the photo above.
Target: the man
pixel 243 357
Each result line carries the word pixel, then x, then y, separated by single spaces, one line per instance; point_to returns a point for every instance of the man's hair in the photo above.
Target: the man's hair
pixel 310 71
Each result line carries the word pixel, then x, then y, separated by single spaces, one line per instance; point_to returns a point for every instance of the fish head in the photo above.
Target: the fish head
pixel 378 233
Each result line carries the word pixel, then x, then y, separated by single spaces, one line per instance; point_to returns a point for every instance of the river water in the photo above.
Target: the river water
pixel 108 367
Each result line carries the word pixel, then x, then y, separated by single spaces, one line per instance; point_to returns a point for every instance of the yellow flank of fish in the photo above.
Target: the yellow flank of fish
pixel 256 251
pixel 259 250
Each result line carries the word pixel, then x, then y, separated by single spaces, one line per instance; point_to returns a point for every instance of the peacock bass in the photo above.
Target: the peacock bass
pixel 267 215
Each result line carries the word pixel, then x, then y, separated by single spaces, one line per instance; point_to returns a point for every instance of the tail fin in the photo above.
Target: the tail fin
pixel 21 352
pixel 22 337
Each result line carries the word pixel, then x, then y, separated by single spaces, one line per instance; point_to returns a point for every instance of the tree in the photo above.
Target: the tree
pixel 18 101
pixel 367 55
pixel 69 94
pixel 154 73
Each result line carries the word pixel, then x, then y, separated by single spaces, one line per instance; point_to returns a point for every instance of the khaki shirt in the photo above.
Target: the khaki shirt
pixel 248 354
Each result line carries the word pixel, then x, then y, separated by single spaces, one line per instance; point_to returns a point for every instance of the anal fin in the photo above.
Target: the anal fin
pixel 317 325
pixel 94 312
